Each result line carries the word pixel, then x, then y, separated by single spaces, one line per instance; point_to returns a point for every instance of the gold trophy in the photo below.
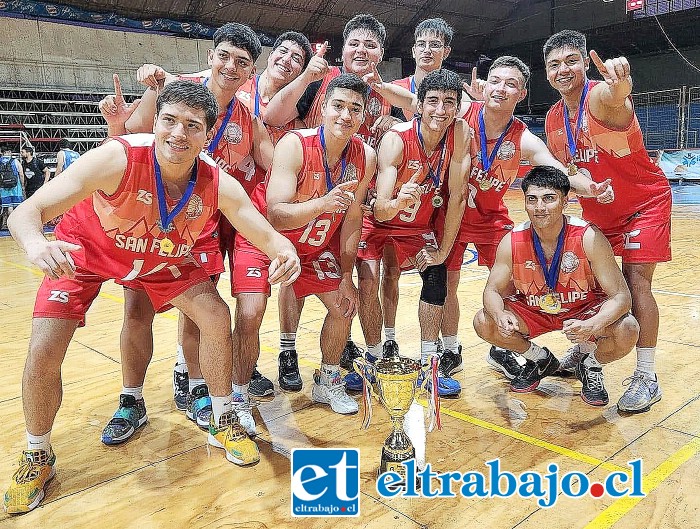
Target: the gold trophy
pixel 396 383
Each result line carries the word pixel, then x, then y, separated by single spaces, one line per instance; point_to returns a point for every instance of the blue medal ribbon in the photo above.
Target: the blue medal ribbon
pixel 166 218
pixel 413 84
pixel 343 162
pixel 256 109
pixel 486 159
pixel 220 132
pixel 551 274
pixel 572 137
pixel 443 144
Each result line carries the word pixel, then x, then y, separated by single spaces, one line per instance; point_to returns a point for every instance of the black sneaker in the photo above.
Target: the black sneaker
pixel 129 417
pixel 181 387
pixel 289 377
pixel 260 386
pixel 451 362
pixel 390 349
pixel 504 361
pixel 530 376
pixel 593 390
pixel 349 354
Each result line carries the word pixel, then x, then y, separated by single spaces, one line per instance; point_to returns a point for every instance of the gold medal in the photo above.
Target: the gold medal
pixel 550 303
pixel 166 245
pixel 485 184
pixel 438 201
pixel 572 169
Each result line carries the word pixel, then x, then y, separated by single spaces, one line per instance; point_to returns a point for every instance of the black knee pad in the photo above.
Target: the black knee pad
pixel 434 289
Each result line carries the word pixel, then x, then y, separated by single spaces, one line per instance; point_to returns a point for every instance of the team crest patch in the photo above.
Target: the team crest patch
pixel 233 133
pixel 569 262
pixel 374 107
pixel 195 207
pixel 506 151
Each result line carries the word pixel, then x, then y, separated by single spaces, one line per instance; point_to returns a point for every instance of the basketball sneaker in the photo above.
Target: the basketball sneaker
pixel 332 391
pixel 199 406
pixel 232 437
pixel 181 387
pixel 593 390
pixel 504 361
pixel 390 350
pixel 129 417
pixel 641 395
pixel 260 386
pixel 567 365
pixel 353 380
pixel 36 468
pixel 244 411
pixel 448 387
pixel 289 377
pixel 349 354
pixel 451 361
pixel 530 376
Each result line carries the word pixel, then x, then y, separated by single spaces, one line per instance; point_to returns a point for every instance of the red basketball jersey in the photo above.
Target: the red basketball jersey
pixel 119 233
pixel 407 83
pixel 576 285
pixel 620 155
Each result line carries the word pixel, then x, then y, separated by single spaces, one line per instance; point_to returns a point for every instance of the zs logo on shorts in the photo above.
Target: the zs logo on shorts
pixel 325 482
pixel 145 197
pixel 253 272
pixel 59 296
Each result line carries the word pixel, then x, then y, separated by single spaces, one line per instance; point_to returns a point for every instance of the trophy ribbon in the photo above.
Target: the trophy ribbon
pixel 363 368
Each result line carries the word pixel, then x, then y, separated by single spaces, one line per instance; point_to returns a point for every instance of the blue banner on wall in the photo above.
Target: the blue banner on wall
pixel 683 164
pixel 31 9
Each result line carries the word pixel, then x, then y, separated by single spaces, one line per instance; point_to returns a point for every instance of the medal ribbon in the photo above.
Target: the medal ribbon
pixel 486 160
pixel 413 84
pixel 443 144
pixel 551 274
pixel 343 162
pixel 165 217
pixel 256 109
pixel 220 132
pixel 571 137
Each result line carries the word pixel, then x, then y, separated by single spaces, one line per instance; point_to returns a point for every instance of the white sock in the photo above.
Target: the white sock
pixel 240 391
pixel 288 341
pixel 450 343
pixel 180 362
pixel 194 382
pixel 137 393
pixel 535 352
pixel 329 372
pixel 377 351
pixel 39 442
pixel 427 349
pixel 219 406
pixel 645 361
pixel 592 361
pixel 390 333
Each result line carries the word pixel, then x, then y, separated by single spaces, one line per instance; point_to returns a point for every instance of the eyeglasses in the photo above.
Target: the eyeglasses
pixel 434 45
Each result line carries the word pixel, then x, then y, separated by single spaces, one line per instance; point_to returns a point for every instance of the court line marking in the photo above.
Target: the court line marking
pixel 650 482
pixel 670 293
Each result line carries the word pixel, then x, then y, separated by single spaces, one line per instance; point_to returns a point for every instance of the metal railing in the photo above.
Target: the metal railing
pixel 670 119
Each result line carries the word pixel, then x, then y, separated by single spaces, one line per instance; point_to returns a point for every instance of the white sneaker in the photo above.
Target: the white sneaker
pixel 332 391
pixel 641 395
pixel 244 410
pixel 567 365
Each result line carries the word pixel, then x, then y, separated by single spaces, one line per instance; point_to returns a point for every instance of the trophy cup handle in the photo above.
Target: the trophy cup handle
pixel 368 372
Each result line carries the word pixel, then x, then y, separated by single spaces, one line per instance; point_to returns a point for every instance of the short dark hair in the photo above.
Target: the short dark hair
pixel 567 38
pixel 508 61
pixel 194 95
pixel 442 80
pixel 548 177
pixel 437 26
pixel 349 81
pixel 366 22
pixel 6 149
pixel 240 36
pixel 28 148
pixel 298 38
pixel 65 144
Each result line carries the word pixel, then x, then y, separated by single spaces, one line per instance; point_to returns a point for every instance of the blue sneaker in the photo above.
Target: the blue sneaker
pixel 448 387
pixel 353 381
pixel 129 417
pixel 199 406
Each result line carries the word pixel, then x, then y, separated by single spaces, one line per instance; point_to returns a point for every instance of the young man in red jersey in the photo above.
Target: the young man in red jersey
pixel 594 129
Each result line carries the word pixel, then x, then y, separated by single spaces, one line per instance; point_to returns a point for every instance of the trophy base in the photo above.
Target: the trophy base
pixel 394 463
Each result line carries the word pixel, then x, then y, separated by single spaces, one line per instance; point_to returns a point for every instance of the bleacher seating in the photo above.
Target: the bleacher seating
pixel 659 124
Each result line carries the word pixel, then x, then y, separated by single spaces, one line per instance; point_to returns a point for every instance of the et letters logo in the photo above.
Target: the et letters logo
pixel 325 482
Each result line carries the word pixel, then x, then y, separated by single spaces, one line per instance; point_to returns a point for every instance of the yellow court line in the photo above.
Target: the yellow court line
pixel 651 481
pixel 567 452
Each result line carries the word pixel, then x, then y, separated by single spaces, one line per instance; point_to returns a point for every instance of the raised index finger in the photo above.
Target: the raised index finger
pixel 321 50
pixel 117 89
pixel 474 75
pixel 599 63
